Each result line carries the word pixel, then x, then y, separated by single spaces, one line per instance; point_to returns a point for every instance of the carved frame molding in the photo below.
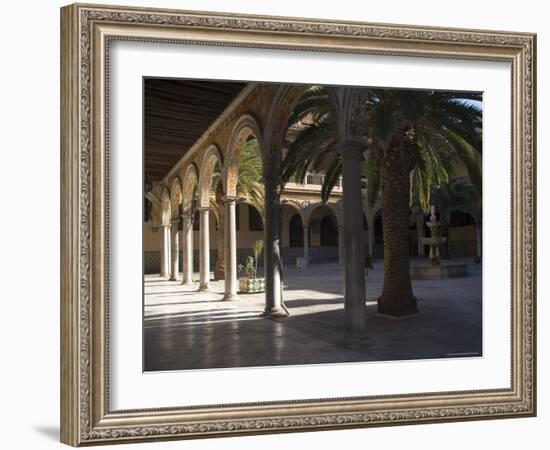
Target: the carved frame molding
pixel 86 31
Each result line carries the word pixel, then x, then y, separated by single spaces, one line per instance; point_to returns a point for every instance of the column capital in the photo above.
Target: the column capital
pixel 351 148
pixel 203 209
pixel 174 222
pixel 229 199
pixel 165 225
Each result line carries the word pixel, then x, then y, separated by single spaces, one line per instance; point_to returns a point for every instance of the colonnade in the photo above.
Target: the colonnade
pixel 271 140
pixel 172 239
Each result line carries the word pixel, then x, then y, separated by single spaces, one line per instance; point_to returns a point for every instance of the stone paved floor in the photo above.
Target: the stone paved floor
pixel 186 329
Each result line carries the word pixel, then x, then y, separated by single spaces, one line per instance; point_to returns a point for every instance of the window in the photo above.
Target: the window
pixel 329 232
pixel 295 232
pixel 255 222
pixel 147 209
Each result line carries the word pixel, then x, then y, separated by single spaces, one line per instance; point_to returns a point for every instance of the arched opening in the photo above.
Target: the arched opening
pixel 165 214
pixel 329 231
pixel 217 217
pixel 255 220
pixel 250 228
pixel 147 209
pixel 296 231
pixel 210 207
pixel 243 166
pixel 461 234
pixel 164 239
pixel 242 177
pixel 323 234
pixel 292 235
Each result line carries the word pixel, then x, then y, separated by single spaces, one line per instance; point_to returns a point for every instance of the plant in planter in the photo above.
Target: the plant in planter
pixel 250 282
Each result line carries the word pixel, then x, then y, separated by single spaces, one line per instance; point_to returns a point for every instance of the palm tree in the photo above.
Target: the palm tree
pixel 249 188
pixel 413 139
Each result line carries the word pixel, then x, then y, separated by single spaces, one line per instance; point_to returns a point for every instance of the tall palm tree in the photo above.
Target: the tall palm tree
pixel 249 188
pixel 413 139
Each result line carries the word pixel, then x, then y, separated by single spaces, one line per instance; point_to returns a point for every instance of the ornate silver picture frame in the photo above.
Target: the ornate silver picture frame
pixel 87 415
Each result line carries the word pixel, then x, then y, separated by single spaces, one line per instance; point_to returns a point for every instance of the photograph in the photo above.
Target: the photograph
pixel 234 276
pixel 277 224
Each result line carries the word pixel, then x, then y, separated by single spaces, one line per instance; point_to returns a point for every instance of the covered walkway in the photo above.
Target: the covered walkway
pixel 190 329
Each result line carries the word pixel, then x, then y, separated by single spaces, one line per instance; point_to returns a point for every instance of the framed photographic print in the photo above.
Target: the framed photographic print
pixel 274 224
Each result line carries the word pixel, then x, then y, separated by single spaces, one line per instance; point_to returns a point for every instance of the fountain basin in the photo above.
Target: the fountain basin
pixel 435 240
pixel 440 272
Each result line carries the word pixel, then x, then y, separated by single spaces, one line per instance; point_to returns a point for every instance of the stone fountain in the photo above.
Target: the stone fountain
pixel 436 240
pixel 436 269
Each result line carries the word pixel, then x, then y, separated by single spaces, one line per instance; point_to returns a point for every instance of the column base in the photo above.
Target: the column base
pixel 275 311
pixel 164 275
pixel 188 283
pixel 230 297
pixel 174 279
pixel 204 287
pixel 356 340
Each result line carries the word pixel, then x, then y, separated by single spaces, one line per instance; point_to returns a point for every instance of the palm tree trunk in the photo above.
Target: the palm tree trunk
pixel 397 298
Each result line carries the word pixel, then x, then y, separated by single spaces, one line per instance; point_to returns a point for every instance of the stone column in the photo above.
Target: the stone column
pixel 306 246
pixel 419 236
pixel 165 251
pixel 174 251
pixel 272 252
pixel 187 247
pixel 354 248
pixel 340 244
pixel 478 239
pixel 204 248
pixel 230 249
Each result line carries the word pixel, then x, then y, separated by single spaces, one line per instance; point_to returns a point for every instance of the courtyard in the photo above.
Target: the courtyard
pixel 185 328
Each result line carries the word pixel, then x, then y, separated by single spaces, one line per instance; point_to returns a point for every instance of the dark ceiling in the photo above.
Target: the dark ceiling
pixel 176 114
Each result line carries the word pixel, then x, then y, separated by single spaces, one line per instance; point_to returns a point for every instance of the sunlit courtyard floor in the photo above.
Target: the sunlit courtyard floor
pixel 187 329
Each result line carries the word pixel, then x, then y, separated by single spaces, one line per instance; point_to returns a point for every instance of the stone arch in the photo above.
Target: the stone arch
pixel 332 206
pixel 152 198
pixel 211 158
pixel 246 126
pixel 294 204
pixel 190 181
pixel 176 198
pixel 165 213
pixel 276 126
pixel 447 216
pixel 256 207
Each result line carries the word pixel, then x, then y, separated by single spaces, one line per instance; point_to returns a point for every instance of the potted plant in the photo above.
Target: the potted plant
pixel 250 282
